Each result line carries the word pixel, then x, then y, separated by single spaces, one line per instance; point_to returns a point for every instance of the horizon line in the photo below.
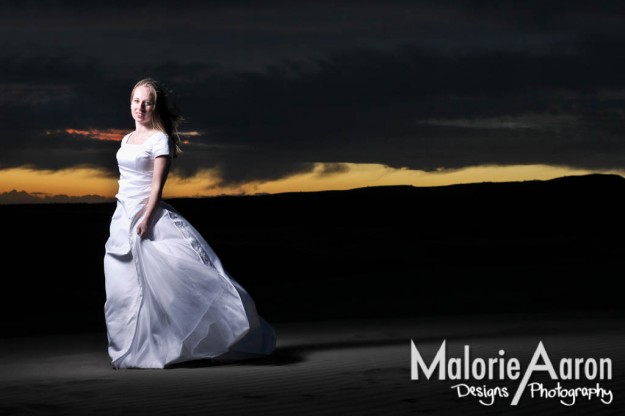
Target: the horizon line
pixel 91 199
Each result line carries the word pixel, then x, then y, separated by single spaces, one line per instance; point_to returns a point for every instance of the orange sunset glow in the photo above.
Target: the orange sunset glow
pixel 85 181
pixel 110 134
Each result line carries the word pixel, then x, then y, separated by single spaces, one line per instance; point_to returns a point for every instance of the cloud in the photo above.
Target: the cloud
pixel 521 121
pixel 331 169
pixel 421 85
pixel 24 95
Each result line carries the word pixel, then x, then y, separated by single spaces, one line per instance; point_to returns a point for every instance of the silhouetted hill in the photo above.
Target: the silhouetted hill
pixel 367 252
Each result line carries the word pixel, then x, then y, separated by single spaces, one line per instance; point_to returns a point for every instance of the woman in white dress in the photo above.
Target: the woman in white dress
pixel 168 297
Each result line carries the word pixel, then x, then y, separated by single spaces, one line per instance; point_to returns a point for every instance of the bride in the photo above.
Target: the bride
pixel 168 297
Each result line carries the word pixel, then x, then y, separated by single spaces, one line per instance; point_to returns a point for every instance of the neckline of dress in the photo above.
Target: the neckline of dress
pixel 144 142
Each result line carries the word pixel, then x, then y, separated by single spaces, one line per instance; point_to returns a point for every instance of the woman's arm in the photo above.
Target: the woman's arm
pixel 159 177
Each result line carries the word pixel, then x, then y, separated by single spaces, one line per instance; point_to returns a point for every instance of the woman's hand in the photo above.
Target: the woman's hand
pixel 143 229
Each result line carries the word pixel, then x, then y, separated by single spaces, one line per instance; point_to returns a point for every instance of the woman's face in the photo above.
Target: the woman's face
pixel 142 105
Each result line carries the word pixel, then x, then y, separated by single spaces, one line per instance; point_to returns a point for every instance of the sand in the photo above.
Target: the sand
pixel 359 367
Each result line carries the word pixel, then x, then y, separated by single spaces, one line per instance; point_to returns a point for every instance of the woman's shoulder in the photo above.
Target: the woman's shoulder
pixel 159 135
pixel 160 144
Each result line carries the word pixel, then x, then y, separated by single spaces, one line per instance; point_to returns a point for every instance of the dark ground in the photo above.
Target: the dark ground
pixel 338 367
pixel 395 251
pixel 488 264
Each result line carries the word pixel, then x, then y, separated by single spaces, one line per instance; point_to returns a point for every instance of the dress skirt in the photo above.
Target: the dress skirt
pixel 169 299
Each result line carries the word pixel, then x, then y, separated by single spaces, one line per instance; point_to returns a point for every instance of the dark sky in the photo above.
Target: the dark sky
pixel 272 87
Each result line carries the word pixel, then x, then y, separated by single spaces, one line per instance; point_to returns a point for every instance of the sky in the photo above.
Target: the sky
pixel 308 96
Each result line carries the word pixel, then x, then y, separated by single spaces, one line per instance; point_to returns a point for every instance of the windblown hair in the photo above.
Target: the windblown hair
pixel 165 118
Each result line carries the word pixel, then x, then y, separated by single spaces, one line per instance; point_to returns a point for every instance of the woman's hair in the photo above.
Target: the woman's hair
pixel 165 117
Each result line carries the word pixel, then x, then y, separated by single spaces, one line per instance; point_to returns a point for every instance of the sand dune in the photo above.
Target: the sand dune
pixel 359 367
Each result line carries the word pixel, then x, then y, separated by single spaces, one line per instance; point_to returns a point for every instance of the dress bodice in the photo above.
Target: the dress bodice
pixel 136 165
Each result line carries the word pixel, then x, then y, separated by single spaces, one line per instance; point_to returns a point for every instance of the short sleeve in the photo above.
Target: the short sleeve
pixel 160 146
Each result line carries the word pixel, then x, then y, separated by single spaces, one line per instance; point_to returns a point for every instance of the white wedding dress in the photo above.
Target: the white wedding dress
pixel 168 298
